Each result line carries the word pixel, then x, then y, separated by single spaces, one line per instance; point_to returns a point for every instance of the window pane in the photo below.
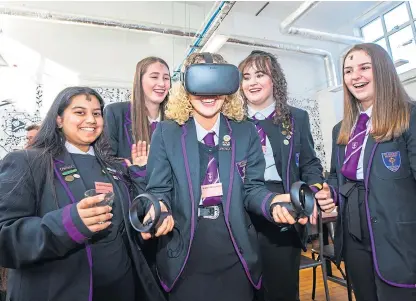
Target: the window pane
pixel 413 8
pixel 373 30
pixel 382 43
pixel 403 47
pixel 396 17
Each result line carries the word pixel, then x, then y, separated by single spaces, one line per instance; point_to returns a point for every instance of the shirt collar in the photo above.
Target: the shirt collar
pixel 201 132
pixel 262 114
pixel 75 150
pixel 369 111
pixel 154 120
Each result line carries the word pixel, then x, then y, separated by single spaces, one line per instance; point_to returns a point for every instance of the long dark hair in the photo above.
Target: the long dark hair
pixel 50 141
pixel 139 112
pixel 391 107
pixel 268 64
pixel 50 138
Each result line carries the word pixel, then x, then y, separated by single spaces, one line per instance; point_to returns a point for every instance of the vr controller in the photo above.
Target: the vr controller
pixel 302 201
pixel 211 79
pixel 151 225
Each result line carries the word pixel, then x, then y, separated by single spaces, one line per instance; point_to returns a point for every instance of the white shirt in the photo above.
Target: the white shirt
pixel 75 150
pixel 201 132
pixel 360 169
pixel 154 120
pixel 270 174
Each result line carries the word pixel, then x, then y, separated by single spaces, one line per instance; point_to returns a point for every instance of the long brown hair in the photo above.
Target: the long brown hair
pixel 391 112
pixel 139 112
pixel 3 279
pixel 268 64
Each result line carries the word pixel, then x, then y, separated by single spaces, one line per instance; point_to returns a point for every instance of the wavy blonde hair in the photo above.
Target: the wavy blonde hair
pixel 179 108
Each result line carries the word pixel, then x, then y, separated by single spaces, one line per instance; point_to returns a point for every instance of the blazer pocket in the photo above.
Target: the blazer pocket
pixel 175 245
pixel 391 161
pixel 406 232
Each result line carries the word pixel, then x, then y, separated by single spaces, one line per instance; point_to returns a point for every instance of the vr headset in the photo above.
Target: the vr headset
pixel 210 78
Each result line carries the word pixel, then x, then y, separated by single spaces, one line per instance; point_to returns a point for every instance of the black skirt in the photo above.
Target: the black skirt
pixel 213 270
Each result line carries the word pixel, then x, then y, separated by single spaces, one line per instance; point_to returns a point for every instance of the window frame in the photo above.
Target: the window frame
pixel 386 34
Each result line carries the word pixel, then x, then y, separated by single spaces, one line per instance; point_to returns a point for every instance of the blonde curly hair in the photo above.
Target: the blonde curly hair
pixel 179 108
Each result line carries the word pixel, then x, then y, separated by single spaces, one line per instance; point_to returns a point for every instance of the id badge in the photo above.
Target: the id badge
pixel 211 190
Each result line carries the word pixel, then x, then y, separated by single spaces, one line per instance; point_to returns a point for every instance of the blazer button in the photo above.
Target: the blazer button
pixel 240 251
pixel 374 220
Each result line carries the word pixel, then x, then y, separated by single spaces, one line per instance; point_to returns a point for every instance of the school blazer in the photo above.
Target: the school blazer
pixel 297 160
pixel 118 128
pixel 390 183
pixel 173 176
pixel 42 238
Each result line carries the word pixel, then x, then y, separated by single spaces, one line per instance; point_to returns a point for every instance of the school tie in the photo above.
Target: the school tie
pixel 212 174
pixel 260 130
pixel 354 146
pixel 153 126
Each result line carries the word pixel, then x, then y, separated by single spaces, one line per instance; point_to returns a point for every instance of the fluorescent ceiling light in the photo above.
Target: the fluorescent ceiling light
pixel 335 89
pixel 214 43
pixel 400 62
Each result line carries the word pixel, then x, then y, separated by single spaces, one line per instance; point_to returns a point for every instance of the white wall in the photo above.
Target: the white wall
pixel 411 89
pixel 90 53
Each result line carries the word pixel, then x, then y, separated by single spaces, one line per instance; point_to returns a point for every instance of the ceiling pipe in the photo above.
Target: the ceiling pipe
pixel 331 76
pixel 93 21
pixel 330 70
pixel 287 28
pixel 213 21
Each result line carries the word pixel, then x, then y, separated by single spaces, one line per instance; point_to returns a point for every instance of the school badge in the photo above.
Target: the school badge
pixel 210 177
pixel 392 160
pixel 226 143
pixel 241 168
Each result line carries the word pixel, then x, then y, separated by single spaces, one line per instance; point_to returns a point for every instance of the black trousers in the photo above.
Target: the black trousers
pixel 280 254
pixel 359 263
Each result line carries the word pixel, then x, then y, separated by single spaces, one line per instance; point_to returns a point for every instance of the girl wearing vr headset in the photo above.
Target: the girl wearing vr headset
pixel 59 242
pixel 206 167
pixel 130 124
pixel 373 178
pixel 288 149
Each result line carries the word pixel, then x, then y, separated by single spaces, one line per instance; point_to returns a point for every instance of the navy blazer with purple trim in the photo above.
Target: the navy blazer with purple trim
pixel 118 128
pixel 173 176
pixel 297 160
pixel 42 238
pixel 390 203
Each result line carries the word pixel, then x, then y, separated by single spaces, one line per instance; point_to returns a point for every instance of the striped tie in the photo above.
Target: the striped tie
pixel 354 146
pixel 260 130
pixel 212 174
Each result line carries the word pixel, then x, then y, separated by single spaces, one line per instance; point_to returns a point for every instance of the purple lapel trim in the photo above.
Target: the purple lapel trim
pixel 339 196
pixel 87 246
pixel 290 156
pixel 227 209
pixel 126 123
pixel 373 246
